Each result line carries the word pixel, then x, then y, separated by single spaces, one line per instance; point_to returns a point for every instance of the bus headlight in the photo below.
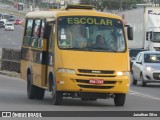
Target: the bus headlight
pixel 65 70
pixel 123 73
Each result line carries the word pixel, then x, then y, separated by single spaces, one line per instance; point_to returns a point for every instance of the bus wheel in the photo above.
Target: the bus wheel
pixel 56 96
pixel 31 89
pixel 40 93
pixel 119 99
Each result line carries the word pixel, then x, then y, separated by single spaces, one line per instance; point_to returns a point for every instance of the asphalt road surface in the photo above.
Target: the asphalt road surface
pixel 11 39
pixel 13 97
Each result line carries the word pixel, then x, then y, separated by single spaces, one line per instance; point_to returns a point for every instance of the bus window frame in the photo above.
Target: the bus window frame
pixel 34 28
pixel 25 32
pixel 31 34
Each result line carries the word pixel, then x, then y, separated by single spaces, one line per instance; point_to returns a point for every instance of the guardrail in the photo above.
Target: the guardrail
pixel 10 59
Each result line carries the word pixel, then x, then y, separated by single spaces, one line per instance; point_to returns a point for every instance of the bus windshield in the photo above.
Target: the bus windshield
pixel 91 33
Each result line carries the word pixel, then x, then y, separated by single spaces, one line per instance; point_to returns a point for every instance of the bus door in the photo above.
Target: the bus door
pixel 49 48
pixel 37 51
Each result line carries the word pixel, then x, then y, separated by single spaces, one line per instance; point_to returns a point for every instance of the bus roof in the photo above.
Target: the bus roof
pixel 41 14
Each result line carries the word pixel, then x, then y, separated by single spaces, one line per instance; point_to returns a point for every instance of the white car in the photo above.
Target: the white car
pixel 146 68
pixel 9 26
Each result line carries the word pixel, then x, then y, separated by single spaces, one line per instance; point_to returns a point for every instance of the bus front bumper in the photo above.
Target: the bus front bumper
pixel 73 83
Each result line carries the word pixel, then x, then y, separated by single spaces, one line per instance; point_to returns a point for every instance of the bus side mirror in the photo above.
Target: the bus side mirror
pixel 47 31
pixel 130 33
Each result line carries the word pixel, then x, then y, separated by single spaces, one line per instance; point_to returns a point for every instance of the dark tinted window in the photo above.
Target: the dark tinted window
pixel 134 52
pixel 152 58
pixel 6 16
pixel 1 22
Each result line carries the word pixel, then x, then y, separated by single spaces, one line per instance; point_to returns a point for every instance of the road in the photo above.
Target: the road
pixel 13 97
pixel 11 39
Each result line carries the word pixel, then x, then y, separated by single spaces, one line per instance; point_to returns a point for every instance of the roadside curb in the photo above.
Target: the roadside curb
pixel 11 74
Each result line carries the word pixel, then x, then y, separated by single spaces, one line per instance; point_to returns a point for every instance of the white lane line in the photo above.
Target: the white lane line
pixel 142 95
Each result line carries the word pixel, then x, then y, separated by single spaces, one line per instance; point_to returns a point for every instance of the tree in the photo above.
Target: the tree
pixel 112 4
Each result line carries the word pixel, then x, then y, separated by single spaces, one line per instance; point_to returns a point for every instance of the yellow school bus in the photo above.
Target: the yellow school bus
pixel 75 52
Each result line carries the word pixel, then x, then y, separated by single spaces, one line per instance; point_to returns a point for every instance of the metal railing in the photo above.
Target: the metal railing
pixel 10 59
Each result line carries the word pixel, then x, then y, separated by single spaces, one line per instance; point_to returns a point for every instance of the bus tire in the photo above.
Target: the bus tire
pixel 31 89
pixel 119 99
pixel 40 92
pixel 57 96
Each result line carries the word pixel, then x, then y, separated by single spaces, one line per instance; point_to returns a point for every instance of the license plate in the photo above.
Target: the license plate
pixel 96 81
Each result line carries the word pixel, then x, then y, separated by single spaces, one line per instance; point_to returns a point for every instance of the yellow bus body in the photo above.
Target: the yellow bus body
pixel 87 65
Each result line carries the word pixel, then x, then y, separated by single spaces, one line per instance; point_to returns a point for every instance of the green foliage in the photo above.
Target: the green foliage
pixel 112 4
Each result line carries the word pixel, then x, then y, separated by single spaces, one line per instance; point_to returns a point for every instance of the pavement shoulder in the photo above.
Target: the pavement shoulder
pixel 9 73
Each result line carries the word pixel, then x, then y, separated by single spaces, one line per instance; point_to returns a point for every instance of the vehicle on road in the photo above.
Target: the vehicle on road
pixel 146 68
pixel 146 28
pixel 18 22
pixel 132 55
pixel 58 55
pixel 11 18
pixel 5 16
pixel 2 24
pixel 9 26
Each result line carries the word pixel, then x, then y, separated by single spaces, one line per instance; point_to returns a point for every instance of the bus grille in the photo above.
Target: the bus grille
pixel 96 71
pixel 89 75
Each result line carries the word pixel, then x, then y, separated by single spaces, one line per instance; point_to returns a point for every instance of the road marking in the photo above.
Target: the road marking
pixel 142 95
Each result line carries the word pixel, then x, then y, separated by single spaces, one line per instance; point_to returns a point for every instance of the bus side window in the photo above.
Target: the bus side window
pixel 36 33
pixel 51 46
pixel 40 40
pixel 28 31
